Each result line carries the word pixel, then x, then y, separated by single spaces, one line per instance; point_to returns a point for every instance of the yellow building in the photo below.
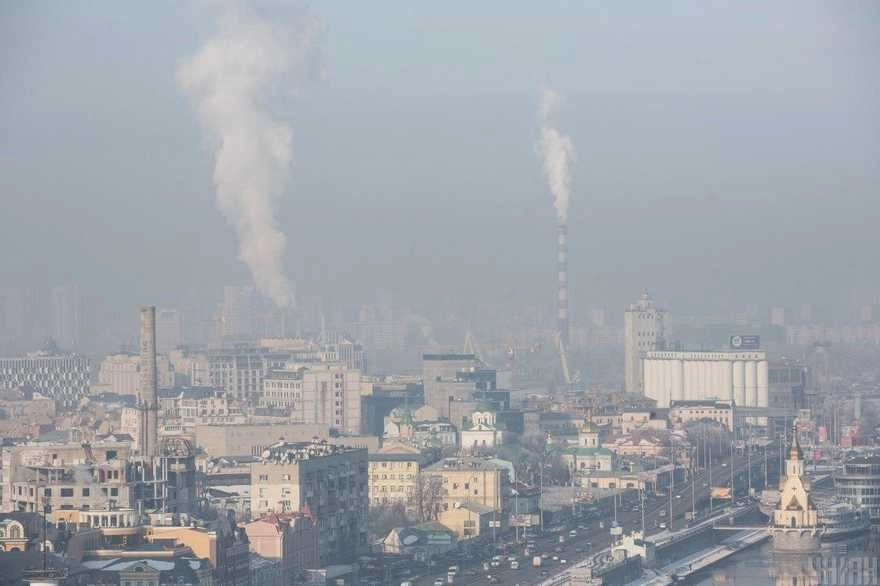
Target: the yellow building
pixel 470 481
pixel 470 521
pixel 393 475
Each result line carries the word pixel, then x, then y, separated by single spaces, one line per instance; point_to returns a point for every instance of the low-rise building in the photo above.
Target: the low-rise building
pixel 422 542
pixel 471 520
pixel 471 481
pixel 681 413
pixel 482 430
pixel 290 538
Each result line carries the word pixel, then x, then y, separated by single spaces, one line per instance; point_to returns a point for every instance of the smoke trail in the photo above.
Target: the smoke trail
pixel 244 60
pixel 557 153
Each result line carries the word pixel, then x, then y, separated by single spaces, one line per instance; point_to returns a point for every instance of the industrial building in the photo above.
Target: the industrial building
pixel 644 330
pixel 728 375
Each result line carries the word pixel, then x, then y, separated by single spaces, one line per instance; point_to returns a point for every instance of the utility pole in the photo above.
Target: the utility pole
pixel 749 464
pixel 711 503
pixel 732 468
pixel 693 486
pixel 671 484
pixel 642 507
pixel 765 465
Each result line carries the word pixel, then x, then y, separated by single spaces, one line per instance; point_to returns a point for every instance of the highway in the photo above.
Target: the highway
pixel 591 537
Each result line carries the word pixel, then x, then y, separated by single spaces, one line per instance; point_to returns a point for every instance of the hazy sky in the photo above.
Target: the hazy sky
pixel 726 152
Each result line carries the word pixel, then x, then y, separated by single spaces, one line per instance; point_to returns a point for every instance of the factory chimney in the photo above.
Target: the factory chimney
pixel 148 401
pixel 562 294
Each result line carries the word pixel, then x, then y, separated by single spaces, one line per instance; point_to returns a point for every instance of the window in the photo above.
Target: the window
pixel 264 477
pixel 86 492
pixel 66 492
pixel 114 491
pixel 47 492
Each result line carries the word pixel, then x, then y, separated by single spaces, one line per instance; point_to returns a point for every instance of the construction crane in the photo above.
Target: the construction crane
pixel 471 346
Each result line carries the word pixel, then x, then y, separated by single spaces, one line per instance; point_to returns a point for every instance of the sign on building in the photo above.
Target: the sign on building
pixel 741 342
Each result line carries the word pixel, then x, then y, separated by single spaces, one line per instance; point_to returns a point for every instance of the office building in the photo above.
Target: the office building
pixel 859 483
pixel 644 331
pixel 320 479
pixel 681 413
pixel 121 374
pixel 452 377
pixel 63 377
pixel 169 330
pixel 726 375
pixel 65 317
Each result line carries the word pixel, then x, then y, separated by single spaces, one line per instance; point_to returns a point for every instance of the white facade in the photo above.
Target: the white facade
pixel 644 325
pixel 738 376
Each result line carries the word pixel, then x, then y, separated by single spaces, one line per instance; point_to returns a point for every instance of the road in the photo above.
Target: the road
pixel 576 549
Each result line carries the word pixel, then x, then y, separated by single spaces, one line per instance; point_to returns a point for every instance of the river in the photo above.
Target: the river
pixel 853 562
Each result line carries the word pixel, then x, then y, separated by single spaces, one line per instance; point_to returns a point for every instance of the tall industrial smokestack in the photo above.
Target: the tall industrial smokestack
pixel 557 154
pixel 562 292
pixel 148 401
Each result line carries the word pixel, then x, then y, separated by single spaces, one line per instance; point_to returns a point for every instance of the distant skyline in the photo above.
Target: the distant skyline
pixel 727 155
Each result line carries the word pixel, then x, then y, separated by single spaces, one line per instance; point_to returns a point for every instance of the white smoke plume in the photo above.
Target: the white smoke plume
pixel 228 80
pixel 556 151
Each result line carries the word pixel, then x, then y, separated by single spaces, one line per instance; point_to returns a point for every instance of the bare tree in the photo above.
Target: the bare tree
pixel 427 497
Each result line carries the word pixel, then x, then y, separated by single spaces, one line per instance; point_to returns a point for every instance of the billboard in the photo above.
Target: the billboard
pixel 741 342
pixel 720 492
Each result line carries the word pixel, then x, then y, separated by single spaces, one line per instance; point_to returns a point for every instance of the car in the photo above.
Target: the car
pixel 662 525
pixel 563 561
pixel 556 558
pixel 678 496
pixel 724 464
pixel 544 572
pixel 572 533
pixel 496 563
pixel 439 582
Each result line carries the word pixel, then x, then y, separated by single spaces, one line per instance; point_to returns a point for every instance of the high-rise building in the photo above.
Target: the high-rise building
pixel 454 377
pixel 777 317
pixel 317 392
pixel 644 330
pixel 238 312
pixel 321 479
pixel 169 330
pixel 65 317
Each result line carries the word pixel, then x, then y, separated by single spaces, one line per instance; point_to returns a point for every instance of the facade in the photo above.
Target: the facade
pixel 291 539
pixel 169 330
pixel 184 408
pixel 320 479
pixel 64 378
pixel 681 413
pixel 470 520
pixel 121 373
pixel 241 368
pixel 327 393
pixel 482 430
pixel 795 525
pixel 588 455
pixel 643 331
pixel 859 483
pixel 452 376
pixel 727 375
pixel 393 475
pixel 473 481
pixel 65 316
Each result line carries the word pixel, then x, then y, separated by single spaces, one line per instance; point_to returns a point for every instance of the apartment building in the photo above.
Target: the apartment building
pixel 317 478
pixel 393 474
pixel 326 393
pixel 472 481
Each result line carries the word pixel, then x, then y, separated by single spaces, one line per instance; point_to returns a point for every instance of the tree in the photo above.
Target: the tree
pixel 383 518
pixel 427 497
